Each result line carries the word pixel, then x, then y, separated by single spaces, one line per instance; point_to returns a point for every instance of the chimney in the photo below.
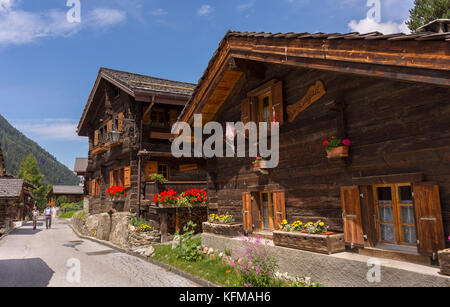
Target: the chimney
pixel 436 26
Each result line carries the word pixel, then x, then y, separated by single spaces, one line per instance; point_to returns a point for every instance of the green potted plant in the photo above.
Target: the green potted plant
pixel 337 148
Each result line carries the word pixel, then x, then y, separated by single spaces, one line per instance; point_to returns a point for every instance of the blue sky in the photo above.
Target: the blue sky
pixel 48 65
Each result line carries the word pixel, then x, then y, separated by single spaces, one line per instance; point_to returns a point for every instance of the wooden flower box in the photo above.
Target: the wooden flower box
pixel 338 152
pixel 260 165
pixel 444 261
pixel 226 230
pixel 325 244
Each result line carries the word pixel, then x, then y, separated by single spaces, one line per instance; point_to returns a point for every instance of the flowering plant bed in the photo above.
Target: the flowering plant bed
pixel 310 236
pixel 319 243
pixel 337 148
pixel 444 261
pixel 168 199
pixel 117 192
pixel 226 230
pixel 221 219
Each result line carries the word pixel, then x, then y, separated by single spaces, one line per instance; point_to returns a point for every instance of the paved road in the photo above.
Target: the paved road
pixel 39 259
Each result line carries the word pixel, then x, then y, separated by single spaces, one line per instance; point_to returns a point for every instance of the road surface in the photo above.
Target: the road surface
pixel 41 258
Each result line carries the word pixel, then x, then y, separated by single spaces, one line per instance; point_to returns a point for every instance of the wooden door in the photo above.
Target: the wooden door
pixel 351 214
pixel 279 209
pixel 430 230
pixel 247 211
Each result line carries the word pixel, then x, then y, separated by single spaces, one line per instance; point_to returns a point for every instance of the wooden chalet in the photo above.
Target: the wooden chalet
pixel 74 194
pixel 389 94
pixel 16 198
pixel 140 111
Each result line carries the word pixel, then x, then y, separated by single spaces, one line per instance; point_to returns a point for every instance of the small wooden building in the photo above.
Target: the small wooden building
pixel 140 111
pixel 389 94
pixel 16 199
pixel 74 194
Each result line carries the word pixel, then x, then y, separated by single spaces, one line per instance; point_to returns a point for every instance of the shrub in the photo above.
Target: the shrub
pixel 256 266
pixel 158 178
pixel 188 249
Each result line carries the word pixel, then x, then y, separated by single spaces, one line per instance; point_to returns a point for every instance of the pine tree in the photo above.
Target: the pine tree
pixel 29 170
pixel 425 11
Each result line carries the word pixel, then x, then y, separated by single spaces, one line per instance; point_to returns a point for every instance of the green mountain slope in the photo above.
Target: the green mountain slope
pixel 17 146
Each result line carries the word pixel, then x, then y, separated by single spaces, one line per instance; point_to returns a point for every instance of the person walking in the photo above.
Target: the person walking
pixel 34 216
pixel 48 217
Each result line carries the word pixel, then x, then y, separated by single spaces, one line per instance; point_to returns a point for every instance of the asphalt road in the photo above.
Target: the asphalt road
pixel 51 258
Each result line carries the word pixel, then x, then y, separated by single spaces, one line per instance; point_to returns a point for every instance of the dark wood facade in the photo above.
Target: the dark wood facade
pixel 143 109
pixel 389 97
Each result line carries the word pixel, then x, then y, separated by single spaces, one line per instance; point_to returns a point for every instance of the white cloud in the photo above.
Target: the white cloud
pixel 56 129
pixel 370 25
pixel 22 27
pixel 245 6
pixel 5 5
pixel 158 12
pixel 105 17
pixel 205 10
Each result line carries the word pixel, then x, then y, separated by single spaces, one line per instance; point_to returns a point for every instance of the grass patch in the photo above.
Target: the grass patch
pixel 214 270
pixel 68 215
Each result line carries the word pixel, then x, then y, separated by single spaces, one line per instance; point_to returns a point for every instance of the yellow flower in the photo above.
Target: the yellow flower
pixel 321 224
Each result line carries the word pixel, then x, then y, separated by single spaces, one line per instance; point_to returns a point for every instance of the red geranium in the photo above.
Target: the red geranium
pixel 116 190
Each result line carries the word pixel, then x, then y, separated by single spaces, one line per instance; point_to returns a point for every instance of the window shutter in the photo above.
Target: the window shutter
pixel 279 209
pixel 351 214
pixel 247 211
pixel 173 117
pixel 120 123
pixel 127 177
pixel 96 135
pixel 430 229
pixel 245 111
pixel 111 178
pixel 277 101
pixel 109 126
pixel 150 168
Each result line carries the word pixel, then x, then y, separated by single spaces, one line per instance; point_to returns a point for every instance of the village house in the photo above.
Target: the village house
pixel 74 194
pixel 16 199
pixel 387 94
pixel 128 120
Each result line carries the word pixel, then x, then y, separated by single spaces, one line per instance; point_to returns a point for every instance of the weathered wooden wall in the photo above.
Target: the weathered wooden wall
pixel 395 127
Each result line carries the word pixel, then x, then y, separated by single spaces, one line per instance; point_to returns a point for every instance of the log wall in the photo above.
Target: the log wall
pixel 395 127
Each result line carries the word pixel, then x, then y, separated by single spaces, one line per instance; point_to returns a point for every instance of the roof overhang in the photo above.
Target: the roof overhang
pixel 412 58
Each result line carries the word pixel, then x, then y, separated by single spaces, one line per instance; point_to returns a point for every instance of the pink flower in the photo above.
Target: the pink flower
pixel 346 142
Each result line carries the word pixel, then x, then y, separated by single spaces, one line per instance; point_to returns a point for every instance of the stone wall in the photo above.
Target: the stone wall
pixel 117 229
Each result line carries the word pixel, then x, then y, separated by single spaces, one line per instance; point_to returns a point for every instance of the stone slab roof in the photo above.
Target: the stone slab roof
pixel 67 190
pixel 142 83
pixel 11 188
pixel 81 165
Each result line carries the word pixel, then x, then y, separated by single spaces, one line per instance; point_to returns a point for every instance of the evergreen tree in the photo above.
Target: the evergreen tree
pixel 29 170
pixel 425 11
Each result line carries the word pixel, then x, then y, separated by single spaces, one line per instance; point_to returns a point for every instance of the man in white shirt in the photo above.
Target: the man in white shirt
pixel 48 216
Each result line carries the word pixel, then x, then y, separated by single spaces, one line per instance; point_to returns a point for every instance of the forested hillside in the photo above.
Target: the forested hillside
pixel 16 147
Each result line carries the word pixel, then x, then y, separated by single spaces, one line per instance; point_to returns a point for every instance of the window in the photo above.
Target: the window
pixel 163 169
pixel 395 216
pixel 265 109
pixel 95 189
pixel 158 118
pixel 266 209
pixel 120 177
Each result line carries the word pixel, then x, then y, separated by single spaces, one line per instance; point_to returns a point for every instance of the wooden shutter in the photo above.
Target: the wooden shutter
pixel 109 126
pixel 173 117
pixel 127 177
pixel 279 209
pixel 277 101
pixel 368 216
pixel 111 178
pixel 430 229
pixel 351 214
pixel 150 168
pixel 245 110
pixel 120 123
pixel 96 135
pixel 247 211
